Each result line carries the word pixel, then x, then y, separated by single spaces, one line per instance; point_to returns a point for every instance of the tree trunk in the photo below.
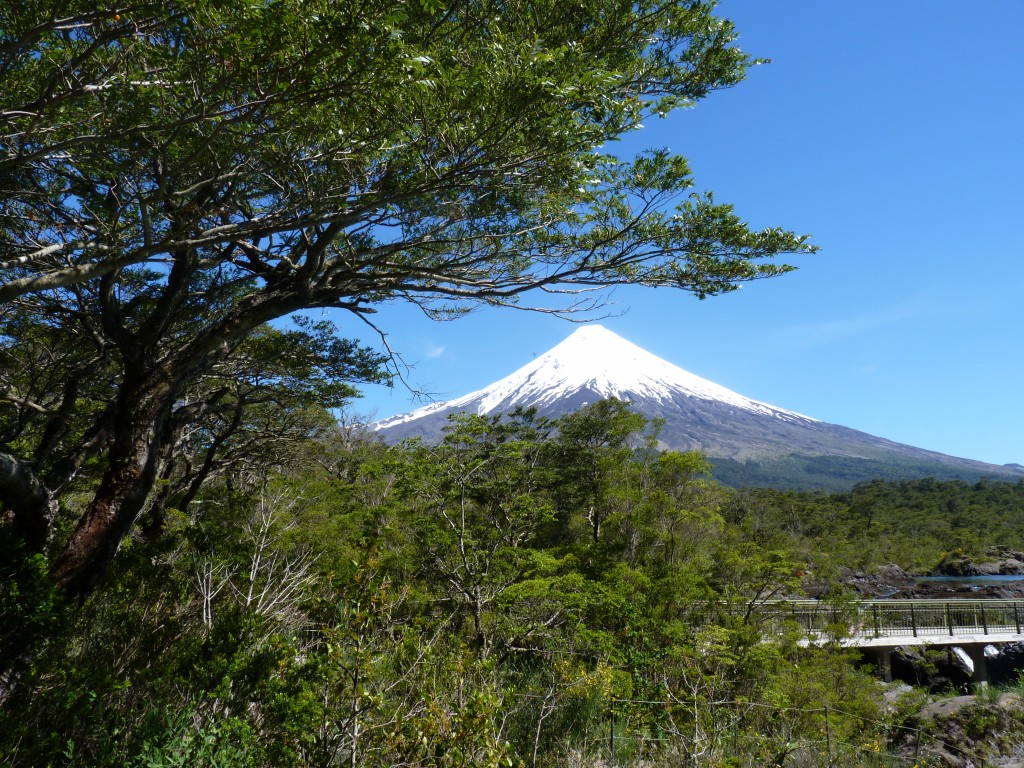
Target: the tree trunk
pixel 140 431
pixel 25 498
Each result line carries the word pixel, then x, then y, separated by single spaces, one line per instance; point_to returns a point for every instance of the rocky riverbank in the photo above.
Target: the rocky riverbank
pixel 892 582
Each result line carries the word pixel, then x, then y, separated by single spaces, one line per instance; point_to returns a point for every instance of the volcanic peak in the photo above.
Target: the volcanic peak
pixel 594 360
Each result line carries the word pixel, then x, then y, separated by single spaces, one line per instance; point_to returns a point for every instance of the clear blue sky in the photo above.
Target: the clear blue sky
pixel 893 133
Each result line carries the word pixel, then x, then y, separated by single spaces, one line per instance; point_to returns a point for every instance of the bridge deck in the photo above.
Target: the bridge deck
pixel 886 623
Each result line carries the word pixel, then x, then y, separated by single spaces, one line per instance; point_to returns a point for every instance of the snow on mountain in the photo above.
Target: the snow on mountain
pixel 593 360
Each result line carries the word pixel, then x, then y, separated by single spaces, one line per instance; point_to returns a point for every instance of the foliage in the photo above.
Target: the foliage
pixel 422 605
pixel 175 177
pixel 28 603
pixel 918 524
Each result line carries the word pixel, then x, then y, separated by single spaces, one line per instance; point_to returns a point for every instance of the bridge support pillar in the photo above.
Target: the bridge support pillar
pixel 977 653
pixel 883 661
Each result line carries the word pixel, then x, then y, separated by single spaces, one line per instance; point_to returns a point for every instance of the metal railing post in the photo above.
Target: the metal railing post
pixel 949 620
pixel 984 620
pixel 913 620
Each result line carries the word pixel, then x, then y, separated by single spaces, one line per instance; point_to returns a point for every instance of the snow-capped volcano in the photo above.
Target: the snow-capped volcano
pixel 593 363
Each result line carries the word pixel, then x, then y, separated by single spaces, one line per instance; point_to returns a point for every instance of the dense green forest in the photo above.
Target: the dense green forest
pixel 525 593
pixel 917 524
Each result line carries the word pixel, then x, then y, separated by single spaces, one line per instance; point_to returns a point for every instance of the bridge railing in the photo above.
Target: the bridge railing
pixel 895 618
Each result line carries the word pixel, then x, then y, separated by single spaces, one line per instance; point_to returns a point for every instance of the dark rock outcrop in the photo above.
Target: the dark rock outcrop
pixel 1002 561
pixel 967 732
pixel 888 581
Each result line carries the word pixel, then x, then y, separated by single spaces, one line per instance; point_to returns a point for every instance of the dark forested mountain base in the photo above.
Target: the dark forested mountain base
pixel 841 473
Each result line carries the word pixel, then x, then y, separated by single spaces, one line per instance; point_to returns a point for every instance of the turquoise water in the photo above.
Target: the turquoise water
pixel 996 579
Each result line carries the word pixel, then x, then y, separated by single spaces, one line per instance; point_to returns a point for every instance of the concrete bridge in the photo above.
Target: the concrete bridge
pixel 878 626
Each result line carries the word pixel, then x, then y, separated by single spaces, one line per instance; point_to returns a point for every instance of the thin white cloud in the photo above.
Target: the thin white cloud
pixel 434 351
pixel 940 301
pixel 809 335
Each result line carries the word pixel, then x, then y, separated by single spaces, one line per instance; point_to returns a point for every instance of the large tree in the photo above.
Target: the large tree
pixel 175 175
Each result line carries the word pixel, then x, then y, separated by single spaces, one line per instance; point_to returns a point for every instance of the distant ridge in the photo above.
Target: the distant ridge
pixel 752 443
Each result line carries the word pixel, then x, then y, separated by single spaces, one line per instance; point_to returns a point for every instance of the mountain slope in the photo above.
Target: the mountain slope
pixel 742 434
